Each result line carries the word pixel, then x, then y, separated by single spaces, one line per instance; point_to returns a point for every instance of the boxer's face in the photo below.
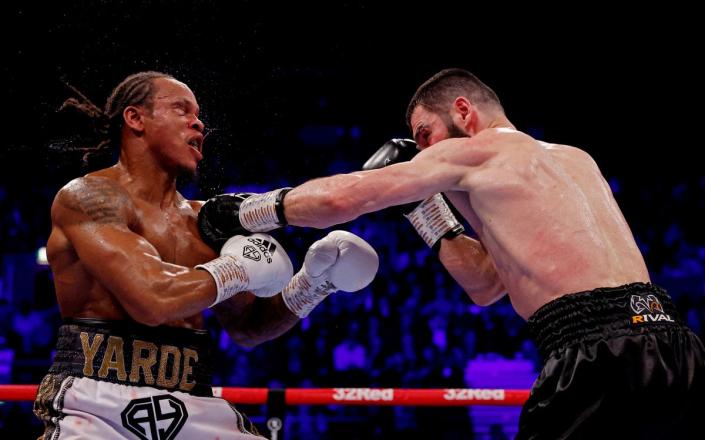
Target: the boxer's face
pixel 172 129
pixel 428 127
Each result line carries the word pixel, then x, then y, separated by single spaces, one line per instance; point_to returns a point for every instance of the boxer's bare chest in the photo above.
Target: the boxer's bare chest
pixel 173 231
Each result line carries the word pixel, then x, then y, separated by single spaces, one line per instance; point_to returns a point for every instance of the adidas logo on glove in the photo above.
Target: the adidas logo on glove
pixel 267 248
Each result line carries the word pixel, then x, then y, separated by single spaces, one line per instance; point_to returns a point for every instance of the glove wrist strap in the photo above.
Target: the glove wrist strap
pixel 263 212
pixel 304 293
pixel 229 275
pixel 434 220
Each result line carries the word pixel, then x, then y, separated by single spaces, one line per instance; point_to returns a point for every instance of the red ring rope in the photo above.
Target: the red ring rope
pixel 342 396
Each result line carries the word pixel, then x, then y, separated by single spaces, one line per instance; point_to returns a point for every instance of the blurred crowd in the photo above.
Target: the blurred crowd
pixel 413 327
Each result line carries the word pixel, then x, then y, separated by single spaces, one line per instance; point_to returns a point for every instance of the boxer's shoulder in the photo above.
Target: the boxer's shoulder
pixel 97 198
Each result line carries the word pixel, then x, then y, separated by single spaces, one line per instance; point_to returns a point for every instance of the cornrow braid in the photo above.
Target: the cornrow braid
pixel 136 89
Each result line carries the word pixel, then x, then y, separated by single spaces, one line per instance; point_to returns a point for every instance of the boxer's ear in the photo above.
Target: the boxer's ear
pixel 133 117
pixel 465 111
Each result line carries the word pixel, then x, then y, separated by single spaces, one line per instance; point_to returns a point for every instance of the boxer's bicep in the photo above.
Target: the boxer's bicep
pixel 405 182
pixel 150 290
pixel 94 217
pixel 448 163
pixel 337 199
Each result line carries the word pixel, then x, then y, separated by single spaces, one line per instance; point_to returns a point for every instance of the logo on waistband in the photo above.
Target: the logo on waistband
pixel 648 309
pixel 155 418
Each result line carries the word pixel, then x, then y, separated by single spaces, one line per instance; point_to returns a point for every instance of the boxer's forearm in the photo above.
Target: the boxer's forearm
pixel 324 202
pixel 251 321
pixel 174 293
pixel 468 263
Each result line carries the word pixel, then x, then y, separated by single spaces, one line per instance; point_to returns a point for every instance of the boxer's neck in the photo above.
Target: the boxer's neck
pixel 145 179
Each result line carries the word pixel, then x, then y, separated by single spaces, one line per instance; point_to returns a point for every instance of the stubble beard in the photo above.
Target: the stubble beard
pixel 455 132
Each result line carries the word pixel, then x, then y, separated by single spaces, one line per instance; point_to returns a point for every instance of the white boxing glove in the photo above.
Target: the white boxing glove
pixel 339 261
pixel 255 263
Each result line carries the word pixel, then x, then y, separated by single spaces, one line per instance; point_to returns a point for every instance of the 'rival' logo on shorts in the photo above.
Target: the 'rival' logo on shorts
pixel 650 304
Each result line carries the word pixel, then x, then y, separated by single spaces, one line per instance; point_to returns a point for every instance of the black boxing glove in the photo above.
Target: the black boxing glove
pixel 432 218
pixel 393 151
pixel 226 215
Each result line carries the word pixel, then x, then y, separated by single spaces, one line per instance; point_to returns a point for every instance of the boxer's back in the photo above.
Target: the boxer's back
pixel 549 220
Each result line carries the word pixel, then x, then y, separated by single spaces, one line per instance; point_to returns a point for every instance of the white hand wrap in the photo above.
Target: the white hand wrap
pixel 256 263
pixel 433 219
pixel 229 275
pixel 339 261
pixel 263 212
pixel 304 293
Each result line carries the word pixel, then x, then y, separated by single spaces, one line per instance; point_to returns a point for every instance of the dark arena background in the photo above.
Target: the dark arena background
pixel 298 90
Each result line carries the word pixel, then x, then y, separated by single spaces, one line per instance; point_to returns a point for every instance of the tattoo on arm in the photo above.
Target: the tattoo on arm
pixel 102 200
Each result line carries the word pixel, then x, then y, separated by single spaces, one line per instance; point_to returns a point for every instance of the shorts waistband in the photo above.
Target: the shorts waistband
pixel 602 313
pixel 128 353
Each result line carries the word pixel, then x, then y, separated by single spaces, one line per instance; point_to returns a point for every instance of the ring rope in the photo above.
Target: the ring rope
pixel 341 396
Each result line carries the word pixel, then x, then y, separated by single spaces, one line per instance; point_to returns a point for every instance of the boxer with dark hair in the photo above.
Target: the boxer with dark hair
pixel 619 362
pixel 133 275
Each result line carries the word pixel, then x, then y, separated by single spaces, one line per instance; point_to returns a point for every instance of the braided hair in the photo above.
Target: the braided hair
pixel 136 89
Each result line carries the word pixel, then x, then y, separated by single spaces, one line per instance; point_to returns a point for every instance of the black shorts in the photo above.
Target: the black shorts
pixel 619 363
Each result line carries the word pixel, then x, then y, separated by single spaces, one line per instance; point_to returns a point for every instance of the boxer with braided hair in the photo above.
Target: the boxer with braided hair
pixel 107 122
pixel 133 275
